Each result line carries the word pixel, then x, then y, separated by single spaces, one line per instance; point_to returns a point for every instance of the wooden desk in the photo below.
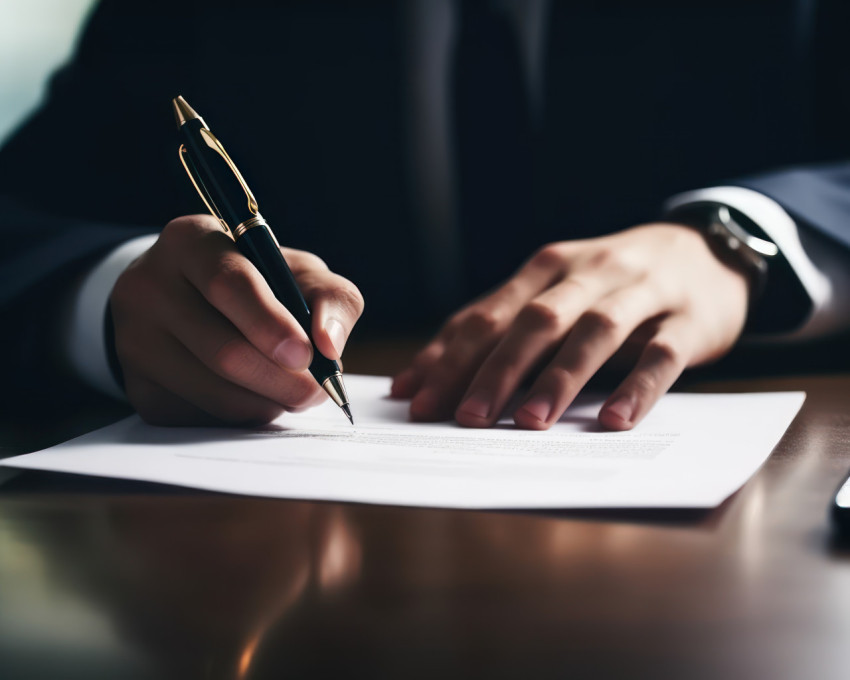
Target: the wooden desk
pixel 117 580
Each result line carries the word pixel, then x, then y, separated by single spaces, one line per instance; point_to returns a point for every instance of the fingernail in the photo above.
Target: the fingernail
pixel 336 333
pixel 539 406
pixel 622 408
pixel 477 405
pixel 293 354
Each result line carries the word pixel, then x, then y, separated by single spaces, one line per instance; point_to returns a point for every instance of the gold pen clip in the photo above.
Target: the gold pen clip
pixel 198 183
pixel 216 146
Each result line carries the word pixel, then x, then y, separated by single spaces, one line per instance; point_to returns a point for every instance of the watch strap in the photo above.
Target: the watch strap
pixel 778 302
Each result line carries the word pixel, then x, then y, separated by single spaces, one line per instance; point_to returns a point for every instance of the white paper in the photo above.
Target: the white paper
pixel 691 451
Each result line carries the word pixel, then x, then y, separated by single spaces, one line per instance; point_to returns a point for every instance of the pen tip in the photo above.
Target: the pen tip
pixel 347 411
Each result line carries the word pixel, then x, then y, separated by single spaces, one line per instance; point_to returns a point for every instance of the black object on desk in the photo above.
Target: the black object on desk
pixel 228 198
pixel 841 507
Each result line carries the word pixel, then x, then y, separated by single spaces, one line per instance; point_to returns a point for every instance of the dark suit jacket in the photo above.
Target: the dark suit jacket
pixel 641 100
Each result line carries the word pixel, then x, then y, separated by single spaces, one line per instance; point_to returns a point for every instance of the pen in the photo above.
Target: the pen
pixel 228 198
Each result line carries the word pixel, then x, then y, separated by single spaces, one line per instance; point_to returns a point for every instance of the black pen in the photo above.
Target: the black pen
pixel 229 199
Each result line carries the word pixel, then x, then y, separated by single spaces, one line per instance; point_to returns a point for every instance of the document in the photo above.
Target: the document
pixel 691 451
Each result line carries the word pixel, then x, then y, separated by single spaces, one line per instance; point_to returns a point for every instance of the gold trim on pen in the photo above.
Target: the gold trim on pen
pixel 183 112
pixel 216 146
pixel 183 153
pixel 242 227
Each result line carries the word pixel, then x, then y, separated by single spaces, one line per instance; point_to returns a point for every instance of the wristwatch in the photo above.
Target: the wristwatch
pixel 738 241
pixel 727 234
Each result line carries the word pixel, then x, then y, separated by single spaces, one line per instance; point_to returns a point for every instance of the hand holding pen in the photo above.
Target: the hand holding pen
pixel 202 339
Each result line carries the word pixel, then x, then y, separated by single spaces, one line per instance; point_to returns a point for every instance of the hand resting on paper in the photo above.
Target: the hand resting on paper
pixel 655 295
pixel 201 339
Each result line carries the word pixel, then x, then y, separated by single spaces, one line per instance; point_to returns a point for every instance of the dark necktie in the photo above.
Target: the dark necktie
pixel 492 139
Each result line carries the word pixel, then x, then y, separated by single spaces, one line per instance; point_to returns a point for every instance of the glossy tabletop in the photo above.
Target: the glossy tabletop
pixel 125 580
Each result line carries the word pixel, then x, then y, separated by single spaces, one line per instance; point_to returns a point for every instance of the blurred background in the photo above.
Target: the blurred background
pixel 36 36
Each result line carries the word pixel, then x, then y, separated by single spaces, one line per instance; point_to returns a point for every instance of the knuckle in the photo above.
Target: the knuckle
pixel 481 322
pixel 602 258
pixel 512 289
pixel 660 351
pixel 178 232
pixel 302 260
pixel 644 383
pixel 540 315
pixel 575 285
pixel 503 364
pixel 348 297
pixel 173 231
pixel 193 223
pixel 607 259
pixel 452 326
pixel 425 358
pixel 421 362
pixel 236 360
pixel 560 379
pixel 228 280
pixel 550 256
pixel 603 320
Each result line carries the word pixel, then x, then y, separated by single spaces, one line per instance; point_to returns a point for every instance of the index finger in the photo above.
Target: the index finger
pixel 335 302
pixel 232 285
pixel 443 370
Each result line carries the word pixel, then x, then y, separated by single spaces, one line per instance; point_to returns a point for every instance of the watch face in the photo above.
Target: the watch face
pixel 744 233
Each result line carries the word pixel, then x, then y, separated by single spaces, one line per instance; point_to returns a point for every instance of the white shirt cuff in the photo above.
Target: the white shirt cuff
pixel 85 344
pixel 823 271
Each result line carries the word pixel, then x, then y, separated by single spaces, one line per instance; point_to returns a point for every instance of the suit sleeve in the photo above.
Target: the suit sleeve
pixel 810 216
pixel 91 169
pixel 817 196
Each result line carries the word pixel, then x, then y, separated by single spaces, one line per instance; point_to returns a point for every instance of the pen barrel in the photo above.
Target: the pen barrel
pixel 258 245
pixel 227 198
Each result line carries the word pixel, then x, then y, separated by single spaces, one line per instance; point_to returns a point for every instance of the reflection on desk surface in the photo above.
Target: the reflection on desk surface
pixel 159 584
